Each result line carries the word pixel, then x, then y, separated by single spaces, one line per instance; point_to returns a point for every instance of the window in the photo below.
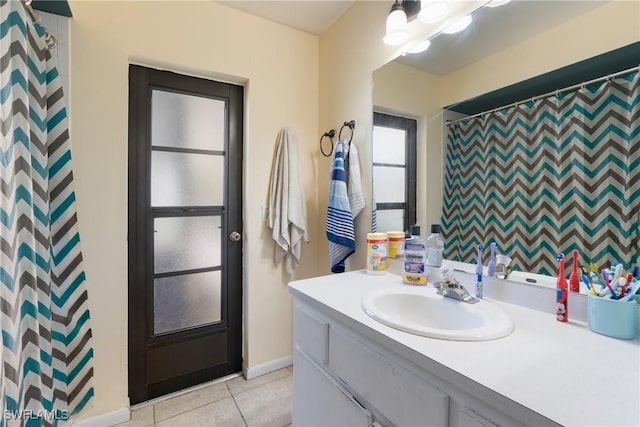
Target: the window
pixel 394 171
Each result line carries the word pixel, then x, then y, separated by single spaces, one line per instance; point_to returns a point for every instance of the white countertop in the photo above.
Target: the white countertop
pixel 562 371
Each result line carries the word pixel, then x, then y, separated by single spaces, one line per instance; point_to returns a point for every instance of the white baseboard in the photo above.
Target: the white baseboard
pixel 105 420
pixel 265 368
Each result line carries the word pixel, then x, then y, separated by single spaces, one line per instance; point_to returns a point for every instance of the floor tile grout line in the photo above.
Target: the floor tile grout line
pixel 237 406
pixel 182 413
pixel 184 391
pixel 192 409
pixel 153 414
pixel 253 388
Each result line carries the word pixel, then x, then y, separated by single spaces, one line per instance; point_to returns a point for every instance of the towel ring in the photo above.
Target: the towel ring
pixel 329 135
pixel 351 125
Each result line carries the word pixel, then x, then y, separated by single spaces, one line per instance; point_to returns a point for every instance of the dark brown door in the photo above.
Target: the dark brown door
pixel 185 231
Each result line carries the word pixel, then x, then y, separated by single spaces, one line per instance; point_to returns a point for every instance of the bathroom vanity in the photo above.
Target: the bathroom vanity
pixel 351 370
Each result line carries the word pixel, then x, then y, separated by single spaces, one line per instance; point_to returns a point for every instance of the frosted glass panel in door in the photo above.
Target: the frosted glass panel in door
pixel 186 243
pixel 186 179
pixel 187 301
pixel 390 184
pixel 388 145
pixel 187 121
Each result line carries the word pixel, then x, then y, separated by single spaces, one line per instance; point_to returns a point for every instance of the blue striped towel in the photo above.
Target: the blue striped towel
pixel 340 232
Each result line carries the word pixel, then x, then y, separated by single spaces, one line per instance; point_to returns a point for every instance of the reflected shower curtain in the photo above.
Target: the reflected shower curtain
pixel 548 176
pixel 46 355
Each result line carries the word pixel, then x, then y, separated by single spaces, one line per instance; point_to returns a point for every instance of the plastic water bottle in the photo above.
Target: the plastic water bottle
pixel 435 247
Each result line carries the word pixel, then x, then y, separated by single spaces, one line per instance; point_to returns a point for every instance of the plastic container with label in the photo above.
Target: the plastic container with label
pixel 396 244
pixel 377 244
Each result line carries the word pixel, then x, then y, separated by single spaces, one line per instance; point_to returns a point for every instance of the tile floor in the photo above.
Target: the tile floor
pixel 263 401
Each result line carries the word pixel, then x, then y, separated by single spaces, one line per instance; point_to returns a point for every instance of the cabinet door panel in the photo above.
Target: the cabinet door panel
pixel 318 400
pixel 311 335
pixel 403 398
pixel 469 418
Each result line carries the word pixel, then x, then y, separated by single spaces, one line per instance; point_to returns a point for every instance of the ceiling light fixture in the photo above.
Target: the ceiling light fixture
pixel 396 26
pixel 496 3
pixel 459 25
pixel 432 11
pixel 417 47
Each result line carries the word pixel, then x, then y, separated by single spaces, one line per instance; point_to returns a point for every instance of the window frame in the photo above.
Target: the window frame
pixel 410 126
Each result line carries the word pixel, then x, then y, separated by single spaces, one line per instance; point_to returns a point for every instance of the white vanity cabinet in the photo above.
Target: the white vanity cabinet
pixel 343 378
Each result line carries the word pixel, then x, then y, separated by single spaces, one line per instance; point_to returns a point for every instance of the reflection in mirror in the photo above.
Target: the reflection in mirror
pixel 394 176
pixel 420 86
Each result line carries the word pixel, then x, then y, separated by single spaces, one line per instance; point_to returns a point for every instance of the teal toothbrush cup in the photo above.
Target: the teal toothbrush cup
pixel 613 318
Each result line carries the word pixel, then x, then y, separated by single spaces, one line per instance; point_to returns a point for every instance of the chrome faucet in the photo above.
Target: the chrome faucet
pixel 451 288
pixel 456 291
pixel 502 267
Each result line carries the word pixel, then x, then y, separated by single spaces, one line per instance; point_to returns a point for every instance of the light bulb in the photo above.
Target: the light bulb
pixel 417 47
pixel 396 26
pixel 459 25
pixel 432 11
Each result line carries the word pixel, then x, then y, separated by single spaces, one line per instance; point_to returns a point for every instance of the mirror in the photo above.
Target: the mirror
pixel 419 86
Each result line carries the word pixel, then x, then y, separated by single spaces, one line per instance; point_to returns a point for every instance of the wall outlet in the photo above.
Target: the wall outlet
pixel 264 213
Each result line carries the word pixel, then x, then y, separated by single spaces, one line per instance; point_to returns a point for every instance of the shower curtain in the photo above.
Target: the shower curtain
pixel 46 357
pixel 548 176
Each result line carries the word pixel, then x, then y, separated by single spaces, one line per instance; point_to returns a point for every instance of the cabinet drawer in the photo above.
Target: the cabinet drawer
pixel 311 335
pixel 403 398
pixel 318 400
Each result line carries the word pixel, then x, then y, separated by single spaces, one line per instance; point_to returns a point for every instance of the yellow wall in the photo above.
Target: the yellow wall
pixel 409 92
pixel 279 67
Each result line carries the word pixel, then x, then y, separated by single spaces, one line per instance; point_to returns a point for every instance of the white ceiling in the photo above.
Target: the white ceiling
pixel 311 16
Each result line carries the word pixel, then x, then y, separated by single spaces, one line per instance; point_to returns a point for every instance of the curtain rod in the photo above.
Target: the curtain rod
pixel 544 95
pixel 35 17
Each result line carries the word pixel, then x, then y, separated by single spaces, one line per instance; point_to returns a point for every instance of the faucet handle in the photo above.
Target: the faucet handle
pixel 446 273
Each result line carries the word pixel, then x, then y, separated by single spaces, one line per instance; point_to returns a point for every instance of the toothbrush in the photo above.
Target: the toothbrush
pixel 574 280
pixel 562 307
pixel 590 288
pixel 479 273
pixel 605 275
pixel 616 276
pixel 603 284
pixel 627 282
pixel 611 271
pixel 623 287
pixel 595 278
pixel 634 289
pixel 491 267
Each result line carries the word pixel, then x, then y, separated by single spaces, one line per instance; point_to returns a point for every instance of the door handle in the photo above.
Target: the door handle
pixel 235 236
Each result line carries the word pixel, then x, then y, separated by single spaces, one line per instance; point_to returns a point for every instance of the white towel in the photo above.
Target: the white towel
pixel 356 195
pixel 287 204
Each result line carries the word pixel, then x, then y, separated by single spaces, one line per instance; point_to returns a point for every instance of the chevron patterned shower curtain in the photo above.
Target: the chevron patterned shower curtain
pixel 548 176
pixel 46 356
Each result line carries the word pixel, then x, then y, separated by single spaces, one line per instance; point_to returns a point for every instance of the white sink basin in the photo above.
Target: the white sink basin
pixel 421 311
